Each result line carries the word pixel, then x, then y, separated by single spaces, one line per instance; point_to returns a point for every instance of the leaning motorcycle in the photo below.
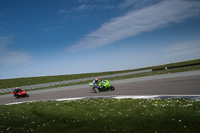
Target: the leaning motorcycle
pixel 103 86
pixel 21 93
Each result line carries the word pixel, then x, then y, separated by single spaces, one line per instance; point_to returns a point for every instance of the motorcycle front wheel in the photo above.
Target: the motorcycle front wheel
pixel 112 88
pixel 26 95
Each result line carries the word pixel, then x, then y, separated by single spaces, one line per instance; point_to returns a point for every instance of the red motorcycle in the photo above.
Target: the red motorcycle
pixel 19 93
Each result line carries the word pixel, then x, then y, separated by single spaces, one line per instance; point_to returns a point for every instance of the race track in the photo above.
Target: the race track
pixel 170 85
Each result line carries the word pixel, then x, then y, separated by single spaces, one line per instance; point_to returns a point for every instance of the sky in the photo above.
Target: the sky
pixel 60 37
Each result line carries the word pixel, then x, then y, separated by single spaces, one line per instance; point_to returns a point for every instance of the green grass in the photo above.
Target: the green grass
pixel 8 83
pixel 102 115
pixel 178 64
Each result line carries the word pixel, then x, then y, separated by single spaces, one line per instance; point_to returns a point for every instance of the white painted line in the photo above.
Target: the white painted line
pixel 68 99
pixel 14 103
pixel 135 97
pixel 192 97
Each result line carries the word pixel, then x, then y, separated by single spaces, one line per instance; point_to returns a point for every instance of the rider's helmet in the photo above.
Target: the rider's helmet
pixel 96 80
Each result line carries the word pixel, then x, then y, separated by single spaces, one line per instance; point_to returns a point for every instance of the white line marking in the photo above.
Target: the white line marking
pixel 192 97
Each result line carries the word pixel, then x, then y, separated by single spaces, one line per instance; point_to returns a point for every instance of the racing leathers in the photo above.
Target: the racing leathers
pixel 98 84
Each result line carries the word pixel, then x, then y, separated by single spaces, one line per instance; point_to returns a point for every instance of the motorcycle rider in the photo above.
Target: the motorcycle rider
pixel 17 89
pixel 98 83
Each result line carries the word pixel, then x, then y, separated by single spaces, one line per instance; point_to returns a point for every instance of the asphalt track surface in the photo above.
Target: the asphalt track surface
pixel 184 84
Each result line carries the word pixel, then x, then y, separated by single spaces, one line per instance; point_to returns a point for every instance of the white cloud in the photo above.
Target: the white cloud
pixel 62 11
pixel 136 22
pixel 184 45
pixel 10 57
pixel 130 3
pixel 184 52
pixel 86 7
pixel 137 3
pixel 183 48
pixel 81 8
pixel 109 7
pixel 84 1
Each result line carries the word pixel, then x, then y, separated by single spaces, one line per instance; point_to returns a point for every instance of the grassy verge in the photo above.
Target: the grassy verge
pixel 102 115
pixel 8 83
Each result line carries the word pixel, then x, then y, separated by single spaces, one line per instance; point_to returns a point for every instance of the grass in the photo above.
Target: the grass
pixel 102 115
pixel 8 83
pixel 178 64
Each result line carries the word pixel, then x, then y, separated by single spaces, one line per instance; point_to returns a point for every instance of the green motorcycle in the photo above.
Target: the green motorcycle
pixel 103 85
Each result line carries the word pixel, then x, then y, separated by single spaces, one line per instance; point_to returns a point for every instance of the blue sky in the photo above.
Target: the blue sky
pixel 53 37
